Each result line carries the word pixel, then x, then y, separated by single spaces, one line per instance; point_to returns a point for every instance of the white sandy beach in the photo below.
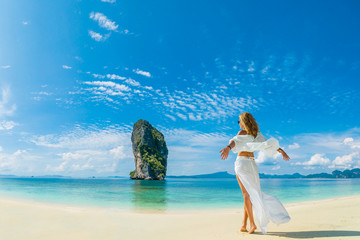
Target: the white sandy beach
pixel 337 218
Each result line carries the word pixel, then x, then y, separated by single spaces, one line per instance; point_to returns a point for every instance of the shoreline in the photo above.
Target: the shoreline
pixel 77 208
pixel 334 218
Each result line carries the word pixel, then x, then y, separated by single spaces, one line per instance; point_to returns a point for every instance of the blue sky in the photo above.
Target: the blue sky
pixel 76 75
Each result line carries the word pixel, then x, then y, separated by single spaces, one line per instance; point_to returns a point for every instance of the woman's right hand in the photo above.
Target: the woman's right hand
pixel 224 153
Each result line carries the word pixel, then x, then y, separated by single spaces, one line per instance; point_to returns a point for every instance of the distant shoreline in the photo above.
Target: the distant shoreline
pixel 353 173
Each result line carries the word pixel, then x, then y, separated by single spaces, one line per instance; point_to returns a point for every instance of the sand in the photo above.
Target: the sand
pixel 336 218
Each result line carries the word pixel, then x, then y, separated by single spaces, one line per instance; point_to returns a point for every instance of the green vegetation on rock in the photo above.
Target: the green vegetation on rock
pixel 154 158
pixel 132 173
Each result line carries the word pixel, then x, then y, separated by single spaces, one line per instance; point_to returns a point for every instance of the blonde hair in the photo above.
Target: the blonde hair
pixel 249 123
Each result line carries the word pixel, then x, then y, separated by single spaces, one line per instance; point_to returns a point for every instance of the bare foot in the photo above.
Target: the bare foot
pixel 243 228
pixel 252 229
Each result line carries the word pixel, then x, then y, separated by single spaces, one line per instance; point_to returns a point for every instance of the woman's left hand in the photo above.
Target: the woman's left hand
pixel 224 153
pixel 285 156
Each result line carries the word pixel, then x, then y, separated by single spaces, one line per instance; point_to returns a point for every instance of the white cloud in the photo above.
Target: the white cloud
pixel 76 155
pixel 148 87
pixel 116 86
pixel 87 151
pixel 114 76
pixel 118 152
pixel 7 125
pixel 294 146
pixel 97 36
pixel 45 93
pixel 192 117
pixel 276 167
pixel 201 106
pixel 191 105
pixel 5 67
pixel 98 76
pixel 21 161
pixel 345 161
pixel 263 159
pixel 317 159
pixel 182 116
pixel 126 31
pixel 350 141
pixel 109 1
pixel 19 152
pixel 334 143
pixel 84 139
pixel 6 109
pixel 251 67
pixel 140 72
pixel 191 145
pixel 103 21
pixel 171 117
pixel 96 161
pixel 265 69
pixel 40 95
pixel 66 67
pixel 25 22
pixel 132 82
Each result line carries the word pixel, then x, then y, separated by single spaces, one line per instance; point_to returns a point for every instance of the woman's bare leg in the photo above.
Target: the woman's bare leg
pixel 245 216
pixel 243 228
pixel 248 207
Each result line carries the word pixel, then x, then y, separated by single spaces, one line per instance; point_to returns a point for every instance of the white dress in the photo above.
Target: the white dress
pixel 266 207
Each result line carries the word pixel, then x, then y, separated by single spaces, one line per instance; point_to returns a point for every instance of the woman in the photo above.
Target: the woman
pixel 248 140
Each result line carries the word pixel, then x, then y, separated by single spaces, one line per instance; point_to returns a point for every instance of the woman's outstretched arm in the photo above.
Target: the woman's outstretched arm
pixel 225 151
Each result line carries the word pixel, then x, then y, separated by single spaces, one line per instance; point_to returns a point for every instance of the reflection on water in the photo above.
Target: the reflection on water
pixel 149 195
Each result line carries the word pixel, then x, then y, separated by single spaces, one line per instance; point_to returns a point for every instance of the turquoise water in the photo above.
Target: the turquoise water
pixel 179 193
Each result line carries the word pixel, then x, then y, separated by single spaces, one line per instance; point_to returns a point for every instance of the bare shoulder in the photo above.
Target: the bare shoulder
pixel 242 132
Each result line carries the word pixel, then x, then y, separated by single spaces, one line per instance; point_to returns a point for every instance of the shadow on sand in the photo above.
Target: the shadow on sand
pixel 313 234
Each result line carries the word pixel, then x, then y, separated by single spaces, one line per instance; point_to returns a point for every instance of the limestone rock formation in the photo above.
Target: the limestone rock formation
pixel 150 152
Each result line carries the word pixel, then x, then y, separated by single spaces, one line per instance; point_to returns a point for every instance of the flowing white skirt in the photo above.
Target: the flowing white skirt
pixel 266 207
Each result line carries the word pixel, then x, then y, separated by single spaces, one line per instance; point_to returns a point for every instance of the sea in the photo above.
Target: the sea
pixel 169 194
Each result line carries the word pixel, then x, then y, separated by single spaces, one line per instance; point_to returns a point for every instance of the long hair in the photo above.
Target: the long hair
pixel 249 123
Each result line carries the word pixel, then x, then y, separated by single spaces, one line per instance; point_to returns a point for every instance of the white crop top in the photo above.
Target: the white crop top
pixel 250 144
